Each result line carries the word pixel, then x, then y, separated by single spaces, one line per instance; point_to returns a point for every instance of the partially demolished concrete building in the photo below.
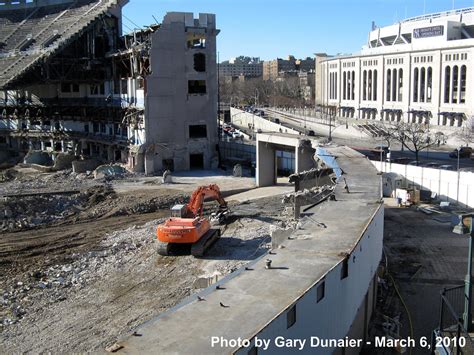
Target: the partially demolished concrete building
pixel 71 82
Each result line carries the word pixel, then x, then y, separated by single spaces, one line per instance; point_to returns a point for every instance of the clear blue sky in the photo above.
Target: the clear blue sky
pixel 276 28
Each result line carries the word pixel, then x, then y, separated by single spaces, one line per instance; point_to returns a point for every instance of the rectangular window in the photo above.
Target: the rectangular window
pixel 291 317
pixel 116 87
pixel 75 88
pixel 198 131
pixel 86 128
pixel 65 88
pixel 97 89
pixel 320 291
pixel 345 268
pixel 196 40
pixel 196 86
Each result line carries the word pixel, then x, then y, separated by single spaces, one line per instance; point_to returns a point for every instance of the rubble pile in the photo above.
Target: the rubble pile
pixel 26 212
pixel 19 213
pixel 19 180
pixel 313 195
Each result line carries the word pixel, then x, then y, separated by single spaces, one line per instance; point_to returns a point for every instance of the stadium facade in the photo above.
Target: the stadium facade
pixel 418 70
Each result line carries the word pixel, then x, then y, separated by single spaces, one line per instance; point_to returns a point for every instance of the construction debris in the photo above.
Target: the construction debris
pixel 109 172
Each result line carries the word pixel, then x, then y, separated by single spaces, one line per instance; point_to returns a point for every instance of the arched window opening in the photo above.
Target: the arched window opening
pixel 447 84
pixel 415 85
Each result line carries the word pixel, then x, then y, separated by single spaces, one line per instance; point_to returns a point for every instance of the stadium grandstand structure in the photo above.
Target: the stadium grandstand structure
pixel 31 31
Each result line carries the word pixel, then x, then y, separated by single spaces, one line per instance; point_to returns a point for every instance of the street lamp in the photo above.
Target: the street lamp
pixel 465 226
pixel 330 126
pixel 457 190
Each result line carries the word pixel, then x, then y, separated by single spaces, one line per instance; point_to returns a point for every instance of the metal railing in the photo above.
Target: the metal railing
pixel 451 337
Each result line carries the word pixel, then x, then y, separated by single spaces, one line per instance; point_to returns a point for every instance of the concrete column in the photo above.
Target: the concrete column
pixel 266 165
pixel 42 146
pixel 110 153
pixel 303 159
pixel 63 146
pixel 74 147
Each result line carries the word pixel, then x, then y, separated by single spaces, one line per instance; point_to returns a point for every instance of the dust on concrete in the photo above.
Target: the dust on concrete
pixel 80 282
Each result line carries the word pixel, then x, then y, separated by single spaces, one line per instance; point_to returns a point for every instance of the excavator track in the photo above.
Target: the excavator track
pixel 199 248
pixel 173 249
pixel 163 248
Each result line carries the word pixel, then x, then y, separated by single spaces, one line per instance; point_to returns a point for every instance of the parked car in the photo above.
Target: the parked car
pixel 415 163
pixel 446 167
pixel 464 152
pixel 311 133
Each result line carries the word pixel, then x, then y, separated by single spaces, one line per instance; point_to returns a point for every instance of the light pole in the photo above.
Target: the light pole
pixel 330 126
pixel 457 190
pixel 465 226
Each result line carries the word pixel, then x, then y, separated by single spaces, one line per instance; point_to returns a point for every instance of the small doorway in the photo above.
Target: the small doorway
pixel 196 161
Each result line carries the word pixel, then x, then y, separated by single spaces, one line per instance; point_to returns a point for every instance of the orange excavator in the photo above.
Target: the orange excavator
pixel 187 226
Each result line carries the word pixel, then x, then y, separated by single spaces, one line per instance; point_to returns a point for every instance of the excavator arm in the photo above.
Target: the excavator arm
pixel 195 205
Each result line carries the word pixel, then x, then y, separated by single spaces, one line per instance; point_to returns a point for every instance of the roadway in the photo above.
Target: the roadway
pixel 321 129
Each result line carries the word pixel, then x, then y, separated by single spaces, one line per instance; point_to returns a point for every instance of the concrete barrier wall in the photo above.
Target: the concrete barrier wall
pixel 81 166
pixel 344 301
pixel 245 119
pixel 449 185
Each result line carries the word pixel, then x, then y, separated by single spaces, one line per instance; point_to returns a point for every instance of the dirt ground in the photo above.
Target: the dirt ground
pixel 83 279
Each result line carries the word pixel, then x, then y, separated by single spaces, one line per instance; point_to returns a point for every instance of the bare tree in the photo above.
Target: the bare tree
pixel 285 92
pixel 466 134
pixel 413 136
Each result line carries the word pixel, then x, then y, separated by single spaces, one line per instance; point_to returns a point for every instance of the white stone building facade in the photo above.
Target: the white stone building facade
pixel 419 70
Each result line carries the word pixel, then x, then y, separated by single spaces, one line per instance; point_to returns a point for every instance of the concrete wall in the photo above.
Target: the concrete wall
pixel 443 182
pixel 345 306
pixel 268 144
pixel 170 108
pixel 245 119
pixel 81 166
pixel 266 164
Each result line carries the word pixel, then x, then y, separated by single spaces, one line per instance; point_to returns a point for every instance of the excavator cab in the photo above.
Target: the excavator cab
pixel 178 211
